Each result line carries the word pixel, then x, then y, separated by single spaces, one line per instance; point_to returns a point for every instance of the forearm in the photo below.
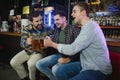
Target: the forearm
pixel 54 45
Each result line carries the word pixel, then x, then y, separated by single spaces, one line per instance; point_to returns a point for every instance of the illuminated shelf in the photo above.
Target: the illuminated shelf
pixel 94 2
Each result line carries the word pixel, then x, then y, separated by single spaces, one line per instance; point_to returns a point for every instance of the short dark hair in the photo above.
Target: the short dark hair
pixel 61 13
pixel 33 14
pixel 83 6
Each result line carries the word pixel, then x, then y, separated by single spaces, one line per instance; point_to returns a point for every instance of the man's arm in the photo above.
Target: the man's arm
pixel 25 39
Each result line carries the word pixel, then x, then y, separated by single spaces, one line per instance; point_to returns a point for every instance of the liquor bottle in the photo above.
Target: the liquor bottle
pixel 118 22
pixel 116 33
pixel 119 35
pixel 110 33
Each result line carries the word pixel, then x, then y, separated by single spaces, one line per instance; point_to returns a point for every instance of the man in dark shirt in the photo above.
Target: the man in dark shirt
pixel 64 33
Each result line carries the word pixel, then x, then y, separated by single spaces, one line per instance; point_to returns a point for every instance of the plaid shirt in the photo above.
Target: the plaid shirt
pixel 70 34
pixel 30 31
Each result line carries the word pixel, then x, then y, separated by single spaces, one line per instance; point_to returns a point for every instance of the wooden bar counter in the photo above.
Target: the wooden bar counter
pixel 110 42
pixel 10 33
pixel 113 42
pixel 11 41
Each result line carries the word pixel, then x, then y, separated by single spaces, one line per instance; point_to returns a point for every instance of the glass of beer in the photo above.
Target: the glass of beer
pixel 37 43
pixel 41 42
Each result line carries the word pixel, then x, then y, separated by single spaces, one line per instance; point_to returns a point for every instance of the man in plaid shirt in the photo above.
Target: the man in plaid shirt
pixel 31 56
pixel 64 33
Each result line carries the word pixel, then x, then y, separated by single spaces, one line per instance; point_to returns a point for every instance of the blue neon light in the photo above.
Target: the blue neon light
pixel 49 22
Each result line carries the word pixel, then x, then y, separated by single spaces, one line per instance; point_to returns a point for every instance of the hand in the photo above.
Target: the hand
pixel 63 60
pixel 29 40
pixel 47 41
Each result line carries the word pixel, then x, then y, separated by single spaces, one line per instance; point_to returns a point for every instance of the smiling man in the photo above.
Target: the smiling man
pixel 36 28
pixel 64 33
pixel 94 61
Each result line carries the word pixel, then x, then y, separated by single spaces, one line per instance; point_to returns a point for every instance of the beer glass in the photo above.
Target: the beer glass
pixel 37 43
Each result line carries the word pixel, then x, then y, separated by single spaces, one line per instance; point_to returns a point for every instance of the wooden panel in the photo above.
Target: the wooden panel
pixel 10 33
pixel 111 43
pixel 110 27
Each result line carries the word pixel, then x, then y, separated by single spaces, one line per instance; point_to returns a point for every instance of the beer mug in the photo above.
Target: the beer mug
pixel 37 43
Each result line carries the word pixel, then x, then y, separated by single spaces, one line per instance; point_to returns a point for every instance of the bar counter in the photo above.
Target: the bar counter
pixel 10 33
pixel 110 42
pixel 11 41
pixel 113 42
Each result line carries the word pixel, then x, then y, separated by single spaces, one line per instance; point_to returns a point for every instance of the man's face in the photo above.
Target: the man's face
pixel 76 14
pixel 37 22
pixel 59 21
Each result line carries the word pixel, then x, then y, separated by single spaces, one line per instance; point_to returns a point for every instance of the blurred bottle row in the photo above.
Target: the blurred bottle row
pixel 107 20
pixel 112 33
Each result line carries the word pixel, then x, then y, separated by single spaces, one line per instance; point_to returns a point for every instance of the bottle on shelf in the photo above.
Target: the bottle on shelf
pixel 118 22
pixel 25 13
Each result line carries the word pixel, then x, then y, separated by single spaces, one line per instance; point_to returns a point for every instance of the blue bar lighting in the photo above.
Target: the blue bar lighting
pixel 49 15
